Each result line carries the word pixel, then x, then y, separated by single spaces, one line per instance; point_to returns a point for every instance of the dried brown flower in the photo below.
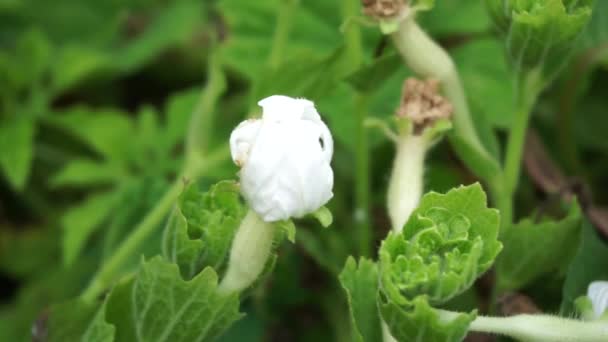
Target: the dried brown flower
pixel 422 104
pixel 383 9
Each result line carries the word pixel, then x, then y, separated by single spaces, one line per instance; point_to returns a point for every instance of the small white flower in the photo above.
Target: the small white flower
pixel 598 294
pixel 284 158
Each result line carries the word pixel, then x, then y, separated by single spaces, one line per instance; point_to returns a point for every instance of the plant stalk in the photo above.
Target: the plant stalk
pixel 406 182
pixel 428 59
pixel 527 93
pixel 538 328
pixel 249 253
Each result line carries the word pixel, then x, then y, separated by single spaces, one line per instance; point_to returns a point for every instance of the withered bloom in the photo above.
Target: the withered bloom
pixel 383 9
pixel 422 104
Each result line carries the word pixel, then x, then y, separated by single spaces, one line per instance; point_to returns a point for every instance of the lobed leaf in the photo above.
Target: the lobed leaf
pixel 17 149
pixel 76 320
pixel 533 249
pixel 158 305
pixel 360 282
pixel 81 221
pixel 201 228
pixel 449 241
pixel 540 33
pixel 589 264
pixel 418 321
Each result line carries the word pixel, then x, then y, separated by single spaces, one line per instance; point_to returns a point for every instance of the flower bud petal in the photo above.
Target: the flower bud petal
pixel 285 159
pixel 598 294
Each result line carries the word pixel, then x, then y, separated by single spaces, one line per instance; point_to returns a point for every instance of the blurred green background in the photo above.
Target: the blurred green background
pixel 95 104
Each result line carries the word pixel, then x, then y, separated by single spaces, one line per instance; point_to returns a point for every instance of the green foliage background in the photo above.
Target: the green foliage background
pixel 95 105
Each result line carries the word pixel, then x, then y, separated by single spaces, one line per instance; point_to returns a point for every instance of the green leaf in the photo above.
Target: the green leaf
pixel 448 242
pixel 24 252
pixel 312 26
pixel 80 222
pixel 540 33
pixel 76 320
pixel 85 172
pixel 418 321
pixel 201 228
pixel 371 77
pixel 488 81
pixel 589 264
pixel 532 249
pixel 22 318
pixel 360 281
pixel 304 75
pixel 108 131
pixel 142 194
pixel 17 148
pixel 596 33
pixel 173 25
pixel 456 17
pixel 76 63
pixel 178 111
pixel 158 305
pixel 33 53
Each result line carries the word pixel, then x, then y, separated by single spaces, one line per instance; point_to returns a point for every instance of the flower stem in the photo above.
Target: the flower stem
pixel 515 145
pixel 428 59
pixel 406 182
pixel 539 328
pixel 249 253
pixel 527 93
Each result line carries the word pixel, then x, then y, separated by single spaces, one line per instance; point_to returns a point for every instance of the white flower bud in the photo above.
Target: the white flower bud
pixel 598 294
pixel 284 158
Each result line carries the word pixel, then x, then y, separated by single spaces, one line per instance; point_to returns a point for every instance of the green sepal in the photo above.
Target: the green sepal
pixel 448 242
pixel 286 228
pixel 418 321
pixel 388 26
pixel 324 216
pixel 432 133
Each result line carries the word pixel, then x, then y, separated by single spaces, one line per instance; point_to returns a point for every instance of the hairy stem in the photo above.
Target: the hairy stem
pixel 406 182
pixel 428 59
pixel 527 93
pixel 539 328
pixel 249 253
